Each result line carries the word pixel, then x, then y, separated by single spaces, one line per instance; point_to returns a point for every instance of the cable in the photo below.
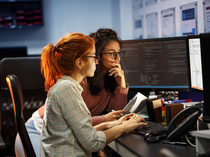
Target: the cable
pixel 189 141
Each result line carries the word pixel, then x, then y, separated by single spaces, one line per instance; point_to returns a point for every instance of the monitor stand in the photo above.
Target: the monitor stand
pixel 202 141
pixel 206 119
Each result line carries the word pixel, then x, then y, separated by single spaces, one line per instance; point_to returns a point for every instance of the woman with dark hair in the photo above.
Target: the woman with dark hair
pixel 105 91
pixel 107 45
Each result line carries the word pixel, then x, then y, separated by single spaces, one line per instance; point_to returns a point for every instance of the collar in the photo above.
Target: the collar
pixel 79 87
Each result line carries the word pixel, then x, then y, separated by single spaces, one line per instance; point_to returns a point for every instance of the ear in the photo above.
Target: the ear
pixel 79 63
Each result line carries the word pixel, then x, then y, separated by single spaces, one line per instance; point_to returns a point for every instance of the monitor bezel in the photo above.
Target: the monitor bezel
pixel 190 85
pixel 13 51
pixel 206 75
pixel 157 89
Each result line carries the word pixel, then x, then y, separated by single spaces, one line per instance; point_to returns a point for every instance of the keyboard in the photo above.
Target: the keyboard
pixel 152 127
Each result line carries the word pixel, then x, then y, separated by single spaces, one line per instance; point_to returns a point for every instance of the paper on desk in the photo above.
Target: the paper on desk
pixel 136 103
pixel 188 104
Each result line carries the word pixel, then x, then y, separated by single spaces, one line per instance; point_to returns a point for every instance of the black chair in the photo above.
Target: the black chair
pixel 27 69
pixel 2 147
pixel 17 99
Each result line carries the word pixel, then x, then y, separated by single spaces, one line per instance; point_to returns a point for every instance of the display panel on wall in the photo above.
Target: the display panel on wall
pixel 206 9
pixel 189 19
pixel 152 25
pixel 137 19
pixel 21 14
pixel 168 22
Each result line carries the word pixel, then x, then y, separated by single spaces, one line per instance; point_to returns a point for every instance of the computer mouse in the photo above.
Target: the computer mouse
pixel 148 135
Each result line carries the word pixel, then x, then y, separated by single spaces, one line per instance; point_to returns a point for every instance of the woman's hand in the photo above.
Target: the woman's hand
pixel 118 74
pixel 121 120
pixel 113 115
pixel 133 123
pixel 128 116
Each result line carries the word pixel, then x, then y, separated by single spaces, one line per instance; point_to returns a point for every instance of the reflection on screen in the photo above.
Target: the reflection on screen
pixel 156 63
pixel 195 64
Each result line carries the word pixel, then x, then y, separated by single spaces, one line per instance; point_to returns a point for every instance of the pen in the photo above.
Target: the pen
pixel 180 101
pixel 175 143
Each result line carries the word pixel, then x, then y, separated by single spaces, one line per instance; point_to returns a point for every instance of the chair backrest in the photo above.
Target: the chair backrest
pixel 27 69
pixel 17 99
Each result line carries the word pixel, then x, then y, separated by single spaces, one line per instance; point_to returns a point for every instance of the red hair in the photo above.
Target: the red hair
pixel 59 59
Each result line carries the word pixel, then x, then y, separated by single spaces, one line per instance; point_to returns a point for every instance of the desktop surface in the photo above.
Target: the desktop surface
pixel 136 145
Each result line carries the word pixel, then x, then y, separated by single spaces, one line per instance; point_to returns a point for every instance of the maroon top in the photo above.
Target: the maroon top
pixel 97 104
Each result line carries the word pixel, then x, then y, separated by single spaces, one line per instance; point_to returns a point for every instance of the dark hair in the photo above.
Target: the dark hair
pixel 59 59
pixel 96 83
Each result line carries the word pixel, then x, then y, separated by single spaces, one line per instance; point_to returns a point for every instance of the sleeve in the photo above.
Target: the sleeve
pixel 79 119
pixel 97 120
pixel 118 99
pixel 38 121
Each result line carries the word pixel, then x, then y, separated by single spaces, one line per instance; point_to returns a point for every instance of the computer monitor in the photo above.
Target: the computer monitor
pixel 158 64
pixel 195 70
pixel 195 64
pixel 205 57
pixel 19 51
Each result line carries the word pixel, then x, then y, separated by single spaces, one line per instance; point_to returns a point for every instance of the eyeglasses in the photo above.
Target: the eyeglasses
pixel 113 55
pixel 95 57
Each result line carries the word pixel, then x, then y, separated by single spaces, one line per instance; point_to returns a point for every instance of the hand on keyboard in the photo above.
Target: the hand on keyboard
pixel 133 122
pixel 152 127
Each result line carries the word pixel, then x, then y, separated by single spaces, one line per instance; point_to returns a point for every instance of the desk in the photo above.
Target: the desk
pixel 132 145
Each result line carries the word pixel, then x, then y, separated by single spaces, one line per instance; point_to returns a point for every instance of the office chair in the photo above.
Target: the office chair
pixel 2 147
pixel 17 99
pixel 27 69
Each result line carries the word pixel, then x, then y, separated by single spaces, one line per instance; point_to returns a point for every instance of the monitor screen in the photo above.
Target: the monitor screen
pixel 196 76
pixel 156 64
pixel 20 51
pixel 205 56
